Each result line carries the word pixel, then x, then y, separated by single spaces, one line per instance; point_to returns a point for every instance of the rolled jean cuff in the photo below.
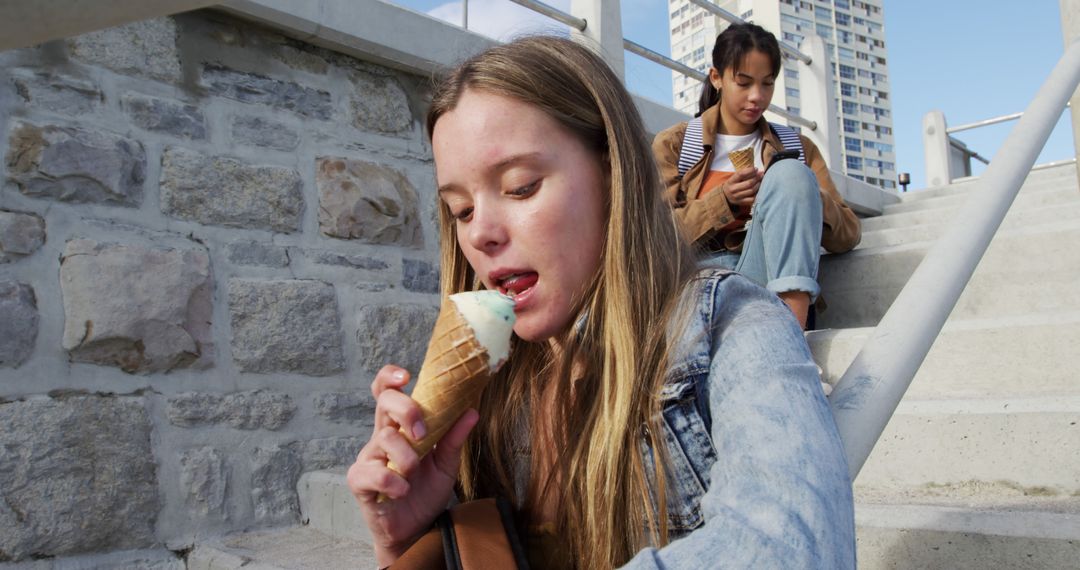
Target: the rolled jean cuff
pixel 795 283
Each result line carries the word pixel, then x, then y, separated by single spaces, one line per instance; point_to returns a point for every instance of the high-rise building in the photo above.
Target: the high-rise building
pixel 854 34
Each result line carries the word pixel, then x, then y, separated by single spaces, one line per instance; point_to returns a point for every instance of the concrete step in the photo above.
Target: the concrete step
pixel 1025 356
pixel 935 537
pixel 327 505
pixel 1065 175
pixel 291 548
pixel 957 198
pixel 959 194
pixel 950 206
pixel 1031 269
pixel 929 232
pixel 995 448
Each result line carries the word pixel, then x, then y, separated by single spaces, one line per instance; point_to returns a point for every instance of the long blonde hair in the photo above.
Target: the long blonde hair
pixel 612 363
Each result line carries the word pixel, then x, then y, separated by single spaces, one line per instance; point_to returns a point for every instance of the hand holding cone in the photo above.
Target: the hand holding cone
pixel 470 342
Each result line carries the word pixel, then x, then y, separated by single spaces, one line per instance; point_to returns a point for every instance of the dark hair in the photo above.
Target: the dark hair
pixel 731 47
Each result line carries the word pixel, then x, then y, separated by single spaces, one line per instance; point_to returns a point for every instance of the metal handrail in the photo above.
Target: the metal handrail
pixel 677 66
pixel 578 24
pixel 987 122
pixel 960 146
pixel 787 49
pixel 663 60
pixel 871 388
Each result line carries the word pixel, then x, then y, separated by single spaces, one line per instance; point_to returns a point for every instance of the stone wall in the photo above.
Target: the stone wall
pixel 211 236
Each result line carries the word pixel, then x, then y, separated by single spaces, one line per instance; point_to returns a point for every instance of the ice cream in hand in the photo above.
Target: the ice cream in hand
pixel 470 342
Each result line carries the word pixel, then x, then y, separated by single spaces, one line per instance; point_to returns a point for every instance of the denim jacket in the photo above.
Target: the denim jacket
pixel 757 476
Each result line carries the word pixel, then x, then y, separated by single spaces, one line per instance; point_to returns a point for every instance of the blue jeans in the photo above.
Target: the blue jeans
pixel 783 242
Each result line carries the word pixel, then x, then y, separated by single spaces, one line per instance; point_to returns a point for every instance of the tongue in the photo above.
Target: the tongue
pixel 520 283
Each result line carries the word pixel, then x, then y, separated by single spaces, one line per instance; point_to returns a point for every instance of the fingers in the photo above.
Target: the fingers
pixel 394 408
pixel 389 376
pixel 370 476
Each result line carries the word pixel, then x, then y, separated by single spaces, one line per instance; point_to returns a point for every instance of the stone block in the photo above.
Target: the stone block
pixel 257 131
pixel 394 334
pixel 254 88
pixel 163 116
pixel 350 407
pixel 74 165
pixel 274 473
pixel 285 326
pixel 144 49
pixel 203 480
pixel 226 192
pixel 142 309
pixel 20 235
pixel 419 276
pixel 18 324
pixel 58 93
pixel 380 105
pixel 256 253
pixel 368 202
pixel 354 261
pixel 325 453
pixel 257 409
pixel 76 475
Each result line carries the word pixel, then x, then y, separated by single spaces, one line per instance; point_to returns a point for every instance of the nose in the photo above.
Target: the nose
pixel 486 231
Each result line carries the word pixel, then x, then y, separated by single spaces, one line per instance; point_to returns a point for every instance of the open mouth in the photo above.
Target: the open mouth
pixel 517 283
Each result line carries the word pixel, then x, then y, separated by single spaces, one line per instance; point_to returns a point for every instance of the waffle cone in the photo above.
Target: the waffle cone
pixel 454 374
pixel 742 158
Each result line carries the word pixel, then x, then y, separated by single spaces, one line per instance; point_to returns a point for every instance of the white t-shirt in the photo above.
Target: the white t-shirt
pixel 727 143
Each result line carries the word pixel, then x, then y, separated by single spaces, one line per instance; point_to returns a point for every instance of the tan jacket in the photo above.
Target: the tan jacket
pixel 701 219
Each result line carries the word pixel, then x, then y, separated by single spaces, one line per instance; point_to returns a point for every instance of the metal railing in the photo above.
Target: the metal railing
pixel 955 162
pixel 581 24
pixel 871 388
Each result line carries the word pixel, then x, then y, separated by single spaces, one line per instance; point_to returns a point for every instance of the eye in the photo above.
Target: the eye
pixel 526 190
pixel 463 214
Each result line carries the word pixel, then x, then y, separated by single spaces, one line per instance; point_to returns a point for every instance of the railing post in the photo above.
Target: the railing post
pixel 604 30
pixel 816 94
pixel 936 149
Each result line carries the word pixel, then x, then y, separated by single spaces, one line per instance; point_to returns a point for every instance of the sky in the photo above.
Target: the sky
pixel 962 57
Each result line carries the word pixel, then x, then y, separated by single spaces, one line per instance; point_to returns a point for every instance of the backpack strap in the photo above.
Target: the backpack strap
pixel 789 137
pixel 691 150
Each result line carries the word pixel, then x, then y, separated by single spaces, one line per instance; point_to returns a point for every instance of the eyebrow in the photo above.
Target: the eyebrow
pixel 740 74
pixel 500 166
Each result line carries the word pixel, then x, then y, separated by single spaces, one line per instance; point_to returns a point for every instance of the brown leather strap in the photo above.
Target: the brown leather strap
pixel 481 537
pixel 424 554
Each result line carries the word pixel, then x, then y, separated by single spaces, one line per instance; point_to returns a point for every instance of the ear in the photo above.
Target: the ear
pixel 714 78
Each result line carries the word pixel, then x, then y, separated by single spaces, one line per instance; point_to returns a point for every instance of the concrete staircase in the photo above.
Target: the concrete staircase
pixel 980 465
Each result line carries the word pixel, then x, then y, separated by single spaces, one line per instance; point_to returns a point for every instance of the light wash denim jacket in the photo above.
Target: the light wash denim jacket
pixel 758 477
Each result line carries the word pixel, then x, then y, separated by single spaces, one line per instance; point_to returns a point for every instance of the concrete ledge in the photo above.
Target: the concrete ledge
pixel 865 199
pixel 31 22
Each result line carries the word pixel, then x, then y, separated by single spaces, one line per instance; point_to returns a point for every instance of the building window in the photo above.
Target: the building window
pixel 854 162
pixel 851 126
pixel 842 19
pixel 847 89
pixel 850 108
pixel 847 54
pixel 852 144
pixel 792 92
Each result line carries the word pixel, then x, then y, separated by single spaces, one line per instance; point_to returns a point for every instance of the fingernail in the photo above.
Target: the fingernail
pixel 418 430
pixel 398 375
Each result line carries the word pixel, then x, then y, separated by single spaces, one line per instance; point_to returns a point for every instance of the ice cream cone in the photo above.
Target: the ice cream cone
pixel 470 341
pixel 455 372
pixel 742 158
